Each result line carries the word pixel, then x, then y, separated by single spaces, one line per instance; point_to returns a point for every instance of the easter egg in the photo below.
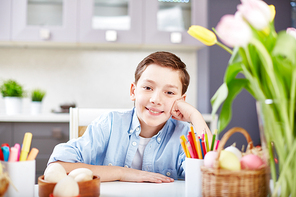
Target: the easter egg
pixel 78 171
pixel 66 187
pixel 229 161
pixel 54 172
pixel 251 162
pixel 210 158
pixel 235 151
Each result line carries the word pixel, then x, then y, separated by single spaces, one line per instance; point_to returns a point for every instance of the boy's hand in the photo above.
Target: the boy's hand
pixel 182 110
pixel 132 175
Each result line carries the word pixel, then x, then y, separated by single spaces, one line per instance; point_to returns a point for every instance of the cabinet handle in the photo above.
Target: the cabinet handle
pixel 111 35
pixel 44 34
pixel 176 37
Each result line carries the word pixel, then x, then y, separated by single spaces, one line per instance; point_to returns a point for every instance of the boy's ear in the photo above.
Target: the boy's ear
pixel 132 91
pixel 183 96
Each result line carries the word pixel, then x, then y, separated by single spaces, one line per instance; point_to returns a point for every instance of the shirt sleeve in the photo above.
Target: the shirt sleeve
pixel 90 148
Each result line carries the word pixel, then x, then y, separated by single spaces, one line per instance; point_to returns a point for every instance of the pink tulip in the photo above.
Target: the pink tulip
pixel 291 31
pixel 233 31
pixel 256 12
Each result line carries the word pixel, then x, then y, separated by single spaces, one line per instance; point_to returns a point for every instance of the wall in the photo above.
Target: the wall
pixel 87 77
pixel 213 61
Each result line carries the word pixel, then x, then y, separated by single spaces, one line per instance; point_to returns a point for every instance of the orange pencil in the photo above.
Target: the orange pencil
pixel 33 154
pixel 197 145
pixel 183 144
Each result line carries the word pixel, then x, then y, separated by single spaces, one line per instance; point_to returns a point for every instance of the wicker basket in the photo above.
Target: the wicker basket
pixel 220 182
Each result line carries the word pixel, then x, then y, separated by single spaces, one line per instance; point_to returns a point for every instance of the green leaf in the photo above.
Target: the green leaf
pixel 219 97
pixel 234 88
pixel 232 71
pixel 285 47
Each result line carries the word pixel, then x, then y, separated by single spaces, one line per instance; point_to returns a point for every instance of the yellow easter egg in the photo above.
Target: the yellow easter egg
pixel 229 161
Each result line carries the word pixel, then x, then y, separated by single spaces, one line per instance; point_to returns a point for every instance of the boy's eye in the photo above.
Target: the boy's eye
pixel 170 93
pixel 147 88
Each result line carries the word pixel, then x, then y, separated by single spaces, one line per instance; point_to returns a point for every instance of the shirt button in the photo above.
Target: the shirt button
pixel 126 166
pixel 110 164
pixel 168 174
pixel 158 139
pixel 137 129
pixel 134 143
pixel 131 131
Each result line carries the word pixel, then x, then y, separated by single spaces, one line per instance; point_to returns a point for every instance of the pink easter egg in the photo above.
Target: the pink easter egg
pixel 251 162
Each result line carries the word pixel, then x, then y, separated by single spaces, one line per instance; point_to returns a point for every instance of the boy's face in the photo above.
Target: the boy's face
pixel 154 95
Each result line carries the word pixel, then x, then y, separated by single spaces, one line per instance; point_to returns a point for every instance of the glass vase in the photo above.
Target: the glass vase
pixel 276 125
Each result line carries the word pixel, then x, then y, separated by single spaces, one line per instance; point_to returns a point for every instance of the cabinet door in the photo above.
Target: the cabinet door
pixel 105 21
pixel 44 20
pixel 6 133
pixel 167 22
pixel 5 19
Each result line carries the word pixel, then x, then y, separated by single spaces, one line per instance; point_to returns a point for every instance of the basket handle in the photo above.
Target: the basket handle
pixel 226 137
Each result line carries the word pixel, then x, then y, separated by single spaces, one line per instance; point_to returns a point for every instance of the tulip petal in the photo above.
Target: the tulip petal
pixel 202 34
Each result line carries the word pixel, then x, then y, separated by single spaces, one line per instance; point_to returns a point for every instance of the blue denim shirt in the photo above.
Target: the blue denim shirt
pixel 113 138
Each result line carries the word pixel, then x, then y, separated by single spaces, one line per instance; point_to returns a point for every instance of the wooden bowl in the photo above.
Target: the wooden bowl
pixel 86 188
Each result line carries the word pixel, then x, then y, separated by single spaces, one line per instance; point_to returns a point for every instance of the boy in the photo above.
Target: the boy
pixel 142 144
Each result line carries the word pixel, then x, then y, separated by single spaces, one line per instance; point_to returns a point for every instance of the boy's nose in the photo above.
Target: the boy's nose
pixel 155 98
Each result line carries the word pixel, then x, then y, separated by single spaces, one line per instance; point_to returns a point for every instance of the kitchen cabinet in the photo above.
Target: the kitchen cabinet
pixel 167 22
pixel 124 22
pixel 104 21
pixel 5 19
pixel 45 136
pixel 39 20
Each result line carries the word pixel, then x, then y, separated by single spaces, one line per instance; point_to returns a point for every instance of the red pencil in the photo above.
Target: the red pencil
pixel 203 147
pixel 189 137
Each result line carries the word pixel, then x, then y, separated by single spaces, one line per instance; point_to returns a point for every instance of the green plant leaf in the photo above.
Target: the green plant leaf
pixel 285 47
pixel 234 88
pixel 219 97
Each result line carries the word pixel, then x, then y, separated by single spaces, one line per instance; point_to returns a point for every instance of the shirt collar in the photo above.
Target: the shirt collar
pixel 136 127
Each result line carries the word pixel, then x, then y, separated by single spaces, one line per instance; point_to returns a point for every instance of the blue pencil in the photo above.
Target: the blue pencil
pixel 203 156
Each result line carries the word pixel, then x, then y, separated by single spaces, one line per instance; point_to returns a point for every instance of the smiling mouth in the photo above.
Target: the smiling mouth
pixel 154 112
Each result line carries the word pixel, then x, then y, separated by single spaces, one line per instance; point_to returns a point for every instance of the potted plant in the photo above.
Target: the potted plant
pixel 12 93
pixel 36 104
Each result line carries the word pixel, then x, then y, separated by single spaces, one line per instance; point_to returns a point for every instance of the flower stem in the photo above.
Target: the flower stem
pixel 224 47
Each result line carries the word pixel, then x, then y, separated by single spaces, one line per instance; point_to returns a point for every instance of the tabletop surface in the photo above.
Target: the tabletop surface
pixel 130 189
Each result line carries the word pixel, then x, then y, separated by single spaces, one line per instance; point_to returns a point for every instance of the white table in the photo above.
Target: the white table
pixel 129 189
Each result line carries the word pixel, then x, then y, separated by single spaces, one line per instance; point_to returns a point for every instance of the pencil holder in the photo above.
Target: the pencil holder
pixel 193 177
pixel 221 182
pixel 22 178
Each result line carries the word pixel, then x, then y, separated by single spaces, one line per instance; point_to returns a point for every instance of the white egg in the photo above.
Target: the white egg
pixel 78 171
pixel 235 151
pixel 83 177
pixel 66 187
pixel 54 172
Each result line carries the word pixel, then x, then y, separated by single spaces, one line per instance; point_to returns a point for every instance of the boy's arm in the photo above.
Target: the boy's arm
pixel 114 173
pixel 183 111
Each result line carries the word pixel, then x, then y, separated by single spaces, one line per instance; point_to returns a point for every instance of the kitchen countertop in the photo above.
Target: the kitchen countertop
pixel 44 117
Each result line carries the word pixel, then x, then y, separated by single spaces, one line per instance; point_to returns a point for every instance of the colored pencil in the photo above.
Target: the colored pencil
pixel 190 139
pixel 202 152
pixel 213 140
pixel 217 144
pixel 183 144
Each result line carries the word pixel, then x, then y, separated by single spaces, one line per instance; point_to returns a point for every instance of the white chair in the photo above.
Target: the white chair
pixel 80 118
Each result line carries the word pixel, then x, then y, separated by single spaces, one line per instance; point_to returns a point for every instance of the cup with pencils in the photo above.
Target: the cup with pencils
pixel 20 164
pixel 195 148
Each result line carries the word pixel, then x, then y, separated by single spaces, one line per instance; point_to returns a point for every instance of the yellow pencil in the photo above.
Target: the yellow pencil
pixel 183 143
pixel 26 146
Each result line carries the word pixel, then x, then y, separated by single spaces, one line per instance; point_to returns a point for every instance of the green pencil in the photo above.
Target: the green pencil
pixel 213 140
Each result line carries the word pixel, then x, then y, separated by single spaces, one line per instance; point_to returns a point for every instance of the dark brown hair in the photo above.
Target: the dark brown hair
pixel 164 59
